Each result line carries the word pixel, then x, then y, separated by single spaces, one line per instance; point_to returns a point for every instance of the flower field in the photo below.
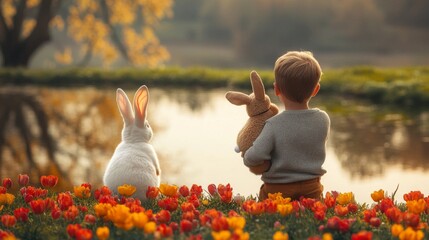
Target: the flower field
pixel 194 212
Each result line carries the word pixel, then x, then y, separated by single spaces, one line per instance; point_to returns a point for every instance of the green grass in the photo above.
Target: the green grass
pixel 398 86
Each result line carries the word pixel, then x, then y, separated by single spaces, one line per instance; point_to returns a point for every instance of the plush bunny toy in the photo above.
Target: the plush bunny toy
pixel 134 161
pixel 258 107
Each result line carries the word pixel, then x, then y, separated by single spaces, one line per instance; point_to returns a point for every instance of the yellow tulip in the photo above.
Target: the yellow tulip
pixel 101 209
pixel 222 235
pixel 327 236
pixel 410 234
pixel 120 216
pixel 239 234
pixel 6 198
pixel 416 206
pixel 149 227
pixel 236 223
pixel 102 233
pixel 139 219
pixel 284 209
pixel 168 190
pixel 345 198
pixel 82 191
pixel 377 195
pixel 126 190
pixel 396 229
pixel 280 236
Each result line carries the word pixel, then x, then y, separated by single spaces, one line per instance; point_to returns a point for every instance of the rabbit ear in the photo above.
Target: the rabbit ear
pixel 257 86
pixel 124 106
pixel 237 98
pixel 141 99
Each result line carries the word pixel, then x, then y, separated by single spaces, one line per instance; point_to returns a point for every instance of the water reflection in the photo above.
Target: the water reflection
pixel 368 139
pixel 195 134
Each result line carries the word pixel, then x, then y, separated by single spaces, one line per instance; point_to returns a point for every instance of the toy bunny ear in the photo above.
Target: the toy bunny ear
pixel 141 99
pixel 237 98
pixel 257 86
pixel 124 106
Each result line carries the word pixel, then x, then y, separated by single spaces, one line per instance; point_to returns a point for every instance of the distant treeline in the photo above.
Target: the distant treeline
pixel 261 30
pixel 397 86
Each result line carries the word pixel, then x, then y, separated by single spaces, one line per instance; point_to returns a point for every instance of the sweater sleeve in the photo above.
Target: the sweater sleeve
pixel 261 148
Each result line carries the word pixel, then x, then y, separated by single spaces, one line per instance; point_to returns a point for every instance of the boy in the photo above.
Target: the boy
pixel 291 147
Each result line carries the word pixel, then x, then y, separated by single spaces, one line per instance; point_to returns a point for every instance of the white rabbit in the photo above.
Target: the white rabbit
pixel 134 161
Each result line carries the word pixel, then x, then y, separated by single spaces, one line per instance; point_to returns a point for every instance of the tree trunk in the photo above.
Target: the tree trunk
pixel 16 51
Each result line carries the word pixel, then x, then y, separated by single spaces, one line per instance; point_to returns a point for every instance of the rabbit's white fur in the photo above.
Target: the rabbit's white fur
pixel 134 161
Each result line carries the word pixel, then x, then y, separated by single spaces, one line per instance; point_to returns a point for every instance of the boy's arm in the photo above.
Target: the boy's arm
pixel 257 157
pixel 259 169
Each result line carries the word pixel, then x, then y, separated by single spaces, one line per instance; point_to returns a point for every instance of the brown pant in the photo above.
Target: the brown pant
pixel 309 189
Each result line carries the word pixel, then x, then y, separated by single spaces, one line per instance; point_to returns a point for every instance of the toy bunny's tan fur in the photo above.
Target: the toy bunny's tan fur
pixel 258 107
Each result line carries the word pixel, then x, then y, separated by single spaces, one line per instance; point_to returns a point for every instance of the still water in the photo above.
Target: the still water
pixel 369 147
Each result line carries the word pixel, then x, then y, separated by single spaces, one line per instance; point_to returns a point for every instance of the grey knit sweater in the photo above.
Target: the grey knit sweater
pixel 295 143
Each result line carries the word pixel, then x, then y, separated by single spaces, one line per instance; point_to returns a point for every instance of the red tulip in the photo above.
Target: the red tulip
pixel 197 190
pixel 170 203
pixel 49 181
pixel 21 214
pixel 368 214
pixel 89 218
pixel 185 226
pixel 8 220
pixel 103 191
pixel 65 200
pixel 189 215
pixel 174 226
pixel 165 231
pixel 83 234
pixel 71 213
pixel 38 206
pixel 163 216
pixel 55 213
pixel 184 191
pixel 212 189
pixel 187 206
pixel 219 224
pixel 23 179
pixel 72 229
pixel 7 183
pixel 362 235
pixel 86 185
pixel 394 215
pixel 411 219
pixel 152 192
pixel 375 222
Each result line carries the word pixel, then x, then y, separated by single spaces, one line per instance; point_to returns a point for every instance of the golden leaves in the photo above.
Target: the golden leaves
pixel 64 57
pixel 57 22
pixel 145 42
pixel 28 27
pixel 8 12
pixel 32 3
pixel 91 28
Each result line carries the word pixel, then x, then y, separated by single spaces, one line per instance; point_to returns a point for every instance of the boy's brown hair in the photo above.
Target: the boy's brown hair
pixel 296 75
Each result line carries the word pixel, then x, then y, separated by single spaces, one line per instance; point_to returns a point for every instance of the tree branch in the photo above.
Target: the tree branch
pixel 18 20
pixel 3 27
pixel 114 36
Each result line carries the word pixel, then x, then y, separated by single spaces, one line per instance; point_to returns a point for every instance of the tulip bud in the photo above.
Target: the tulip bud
pixel 23 179
pixel 7 183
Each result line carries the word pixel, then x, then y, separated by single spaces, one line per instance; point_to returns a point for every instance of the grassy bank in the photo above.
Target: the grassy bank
pixel 399 86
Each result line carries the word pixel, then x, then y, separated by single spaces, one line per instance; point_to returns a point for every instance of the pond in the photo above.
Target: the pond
pixel 369 148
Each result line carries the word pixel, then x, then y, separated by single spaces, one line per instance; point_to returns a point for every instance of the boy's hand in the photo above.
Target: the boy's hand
pixel 259 169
